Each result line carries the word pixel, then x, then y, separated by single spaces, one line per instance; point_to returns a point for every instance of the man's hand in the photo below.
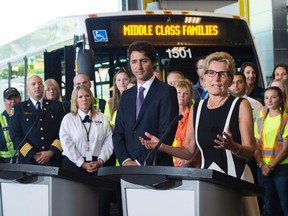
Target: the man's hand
pixel 43 157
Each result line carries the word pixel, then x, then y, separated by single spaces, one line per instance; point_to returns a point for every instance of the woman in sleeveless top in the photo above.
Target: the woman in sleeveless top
pixel 211 123
pixel 220 126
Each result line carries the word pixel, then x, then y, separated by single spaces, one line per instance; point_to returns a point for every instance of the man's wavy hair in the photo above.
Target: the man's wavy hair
pixel 144 47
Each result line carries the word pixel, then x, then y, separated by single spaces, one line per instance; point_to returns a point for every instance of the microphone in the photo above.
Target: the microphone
pixel 174 121
pixel 41 114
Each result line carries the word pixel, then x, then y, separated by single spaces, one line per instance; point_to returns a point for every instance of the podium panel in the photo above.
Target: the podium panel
pixel 48 196
pixel 170 191
pixel 145 201
pixel 24 201
pixel 191 198
pixel 29 190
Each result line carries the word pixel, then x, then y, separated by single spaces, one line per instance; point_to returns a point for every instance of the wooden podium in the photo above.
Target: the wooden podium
pixel 30 190
pixel 170 191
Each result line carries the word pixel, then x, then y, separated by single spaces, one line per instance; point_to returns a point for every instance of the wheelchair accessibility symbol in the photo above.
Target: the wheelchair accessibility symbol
pixel 100 36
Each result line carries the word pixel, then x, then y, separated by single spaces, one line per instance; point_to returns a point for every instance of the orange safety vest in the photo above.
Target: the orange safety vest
pixel 266 151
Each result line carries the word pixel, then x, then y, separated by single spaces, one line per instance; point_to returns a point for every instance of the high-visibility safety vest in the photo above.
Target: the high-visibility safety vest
pixel 10 147
pixel 268 152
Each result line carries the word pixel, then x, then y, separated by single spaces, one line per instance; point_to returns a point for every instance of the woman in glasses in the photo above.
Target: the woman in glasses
pixel 220 126
pixel 52 90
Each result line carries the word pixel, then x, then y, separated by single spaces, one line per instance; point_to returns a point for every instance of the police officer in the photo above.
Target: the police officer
pixel 11 97
pixel 83 79
pixel 43 118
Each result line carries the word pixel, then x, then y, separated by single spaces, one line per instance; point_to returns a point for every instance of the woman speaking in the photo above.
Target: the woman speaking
pixel 220 126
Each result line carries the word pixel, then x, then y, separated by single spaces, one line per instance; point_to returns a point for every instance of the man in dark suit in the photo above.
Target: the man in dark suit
pixel 159 108
pixel 43 117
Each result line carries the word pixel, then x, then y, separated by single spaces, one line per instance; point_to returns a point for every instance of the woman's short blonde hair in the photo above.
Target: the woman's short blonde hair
pixel 187 85
pixel 48 84
pixel 221 57
pixel 74 97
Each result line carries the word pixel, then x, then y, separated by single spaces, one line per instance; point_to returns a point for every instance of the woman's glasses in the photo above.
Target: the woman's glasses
pixel 222 74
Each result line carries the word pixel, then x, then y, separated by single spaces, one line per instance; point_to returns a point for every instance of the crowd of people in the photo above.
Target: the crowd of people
pixel 230 123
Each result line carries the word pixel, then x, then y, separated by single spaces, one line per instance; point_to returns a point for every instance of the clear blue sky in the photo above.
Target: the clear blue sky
pixel 18 18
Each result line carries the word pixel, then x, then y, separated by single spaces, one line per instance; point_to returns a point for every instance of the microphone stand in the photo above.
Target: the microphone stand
pixel 41 113
pixel 176 119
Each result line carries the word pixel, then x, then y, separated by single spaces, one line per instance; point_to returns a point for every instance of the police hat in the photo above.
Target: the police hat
pixel 10 92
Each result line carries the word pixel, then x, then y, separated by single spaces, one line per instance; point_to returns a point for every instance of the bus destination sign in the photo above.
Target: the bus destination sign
pixel 170 30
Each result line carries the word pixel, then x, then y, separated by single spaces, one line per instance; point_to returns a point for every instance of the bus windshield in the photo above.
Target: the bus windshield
pixel 180 39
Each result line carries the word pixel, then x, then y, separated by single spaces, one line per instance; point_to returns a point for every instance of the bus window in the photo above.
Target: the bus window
pixel 3 84
pixel 18 71
pixel 102 83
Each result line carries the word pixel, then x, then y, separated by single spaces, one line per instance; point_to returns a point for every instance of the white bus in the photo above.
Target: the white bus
pixel 179 37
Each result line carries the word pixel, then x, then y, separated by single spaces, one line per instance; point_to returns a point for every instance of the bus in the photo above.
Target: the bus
pixel 96 44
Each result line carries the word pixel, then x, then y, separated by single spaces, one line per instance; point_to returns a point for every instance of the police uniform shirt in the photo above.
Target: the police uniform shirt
pixel 35 103
pixel 43 136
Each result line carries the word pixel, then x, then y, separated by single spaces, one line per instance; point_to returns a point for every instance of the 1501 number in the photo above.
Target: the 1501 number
pixel 179 53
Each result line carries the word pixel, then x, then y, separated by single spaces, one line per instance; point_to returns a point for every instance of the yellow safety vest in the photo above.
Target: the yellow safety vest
pixel 268 152
pixel 10 147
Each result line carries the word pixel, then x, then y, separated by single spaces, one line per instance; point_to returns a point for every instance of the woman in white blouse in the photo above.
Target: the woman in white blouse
pixel 85 134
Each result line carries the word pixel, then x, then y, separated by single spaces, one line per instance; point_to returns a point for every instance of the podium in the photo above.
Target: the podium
pixel 31 190
pixel 170 191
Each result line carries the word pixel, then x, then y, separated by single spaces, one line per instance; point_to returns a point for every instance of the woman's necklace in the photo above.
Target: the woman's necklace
pixel 210 106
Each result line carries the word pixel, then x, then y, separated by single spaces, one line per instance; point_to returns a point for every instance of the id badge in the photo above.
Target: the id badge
pixel 88 156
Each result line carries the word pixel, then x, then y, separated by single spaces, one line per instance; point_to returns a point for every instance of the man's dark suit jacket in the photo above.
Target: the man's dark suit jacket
pixel 158 110
pixel 43 136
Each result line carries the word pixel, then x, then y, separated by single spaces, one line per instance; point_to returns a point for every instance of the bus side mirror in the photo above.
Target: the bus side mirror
pixel 85 62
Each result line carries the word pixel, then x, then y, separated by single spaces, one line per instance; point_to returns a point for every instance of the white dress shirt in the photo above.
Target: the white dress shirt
pixel 73 137
pixel 146 85
pixel 256 107
pixel 35 102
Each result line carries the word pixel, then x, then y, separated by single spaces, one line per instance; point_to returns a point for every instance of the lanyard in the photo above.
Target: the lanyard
pixel 87 130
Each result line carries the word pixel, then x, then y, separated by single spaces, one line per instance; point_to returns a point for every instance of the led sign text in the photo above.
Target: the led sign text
pixel 170 30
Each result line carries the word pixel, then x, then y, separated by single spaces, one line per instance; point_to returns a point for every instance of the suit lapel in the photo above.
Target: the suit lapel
pixel 132 101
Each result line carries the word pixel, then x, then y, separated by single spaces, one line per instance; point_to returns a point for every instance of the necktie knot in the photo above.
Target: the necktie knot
pixel 141 89
pixel 86 119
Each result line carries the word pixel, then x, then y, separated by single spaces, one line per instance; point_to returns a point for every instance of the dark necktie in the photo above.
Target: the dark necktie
pixel 86 119
pixel 139 100
pixel 38 106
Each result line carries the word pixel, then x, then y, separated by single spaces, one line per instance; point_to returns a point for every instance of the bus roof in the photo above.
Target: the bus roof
pixel 50 36
pixel 160 12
